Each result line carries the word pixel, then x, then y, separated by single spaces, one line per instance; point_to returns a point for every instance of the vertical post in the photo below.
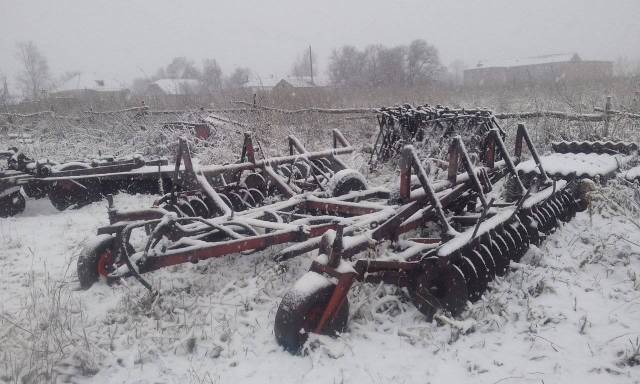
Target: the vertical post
pixel 607 108
pixel 490 147
pixel 311 65
pixel 248 151
pixel 524 134
pixel 452 168
pixel 405 175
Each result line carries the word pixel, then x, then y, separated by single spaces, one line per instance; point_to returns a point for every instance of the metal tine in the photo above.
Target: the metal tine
pixel 458 149
pixel 446 228
pixel 524 134
pixel 495 138
pixel 485 211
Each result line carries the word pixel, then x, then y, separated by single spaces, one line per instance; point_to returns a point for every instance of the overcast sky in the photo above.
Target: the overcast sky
pixel 128 38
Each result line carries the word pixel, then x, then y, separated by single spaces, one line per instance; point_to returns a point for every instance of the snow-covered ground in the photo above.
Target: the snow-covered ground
pixel 569 312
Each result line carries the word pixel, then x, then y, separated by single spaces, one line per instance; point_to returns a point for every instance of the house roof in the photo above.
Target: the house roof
pixel 90 81
pixel 262 82
pixel 300 82
pixel 544 59
pixel 295 81
pixel 177 86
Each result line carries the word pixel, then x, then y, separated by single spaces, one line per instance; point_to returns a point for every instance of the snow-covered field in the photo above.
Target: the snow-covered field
pixel 569 312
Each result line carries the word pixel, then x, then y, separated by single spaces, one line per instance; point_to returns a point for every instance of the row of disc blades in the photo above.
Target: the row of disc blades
pixel 468 272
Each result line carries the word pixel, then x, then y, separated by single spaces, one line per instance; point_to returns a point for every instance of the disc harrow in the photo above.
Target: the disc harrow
pixel 75 183
pixel 428 128
pixel 440 272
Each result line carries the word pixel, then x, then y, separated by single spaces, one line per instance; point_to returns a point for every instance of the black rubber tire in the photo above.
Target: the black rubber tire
pixel 296 313
pixel 345 181
pixel 90 257
pixel 12 205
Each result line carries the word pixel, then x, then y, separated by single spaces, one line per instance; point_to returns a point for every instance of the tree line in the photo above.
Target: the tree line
pixel 376 65
pixel 380 66
pixel 209 74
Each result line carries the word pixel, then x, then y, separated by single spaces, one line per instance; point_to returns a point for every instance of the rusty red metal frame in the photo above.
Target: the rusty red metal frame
pixel 399 272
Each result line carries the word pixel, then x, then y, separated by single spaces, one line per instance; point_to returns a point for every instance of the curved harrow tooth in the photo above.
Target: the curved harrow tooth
pixel 226 199
pixel 199 207
pixel 247 197
pixel 186 208
pixel 257 196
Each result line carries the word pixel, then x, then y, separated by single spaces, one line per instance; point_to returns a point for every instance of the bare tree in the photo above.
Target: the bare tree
pixel 211 76
pixel 372 67
pixel 238 78
pixel 4 92
pixel 346 67
pixel 456 70
pixel 34 78
pixel 304 65
pixel 423 63
pixel 392 65
pixel 625 67
pixel 140 85
pixel 182 68
pixel 378 65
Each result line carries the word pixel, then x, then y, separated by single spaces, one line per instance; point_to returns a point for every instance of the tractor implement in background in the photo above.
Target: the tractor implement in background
pixel 427 128
pixel 74 182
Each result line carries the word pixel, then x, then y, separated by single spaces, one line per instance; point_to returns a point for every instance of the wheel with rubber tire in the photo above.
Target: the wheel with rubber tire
pixel 96 260
pixel 301 309
pixel 12 204
pixel 345 181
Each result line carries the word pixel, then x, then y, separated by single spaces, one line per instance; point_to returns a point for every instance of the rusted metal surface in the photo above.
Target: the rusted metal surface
pixel 426 126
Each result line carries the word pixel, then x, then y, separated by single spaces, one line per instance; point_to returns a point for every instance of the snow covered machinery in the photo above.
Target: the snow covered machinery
pixel 479 229
pixel 428 128
pixel 75 182
pixel 217 210
pixel 598 161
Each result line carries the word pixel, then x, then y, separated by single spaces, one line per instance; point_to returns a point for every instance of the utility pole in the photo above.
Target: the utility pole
pixel 311 65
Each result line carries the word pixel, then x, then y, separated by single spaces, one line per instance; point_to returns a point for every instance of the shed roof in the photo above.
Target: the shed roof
pixel 177 86
pixel 534 60
pixel 90 81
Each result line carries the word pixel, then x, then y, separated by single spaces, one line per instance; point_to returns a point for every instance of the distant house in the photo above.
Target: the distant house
pixel 174 87
pixel 296 82
pixel 260 84
pixel 90 86
pixel 537 70
pixel 272 83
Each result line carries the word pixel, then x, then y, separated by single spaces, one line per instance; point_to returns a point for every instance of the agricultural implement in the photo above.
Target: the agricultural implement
pixel 77 182
pixel 221 209
pixel 310 200
pixel 595 160
pixel 428 128
pixel 479 230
